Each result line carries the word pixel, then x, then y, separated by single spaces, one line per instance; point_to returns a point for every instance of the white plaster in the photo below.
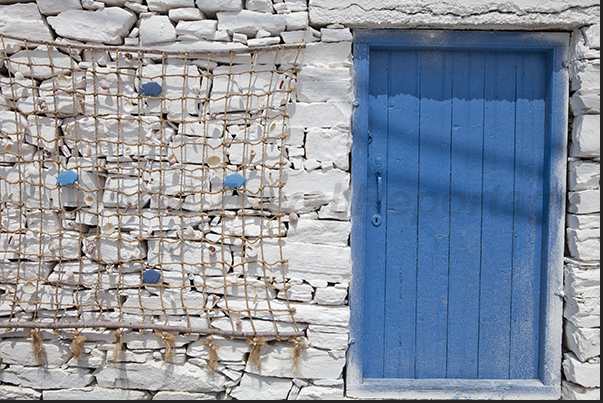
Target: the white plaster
pixel 156 29
pixel 39 377
pixel 584 201
pixel 585 343
pixel 53 7
pixel 254 387
pixel 572 391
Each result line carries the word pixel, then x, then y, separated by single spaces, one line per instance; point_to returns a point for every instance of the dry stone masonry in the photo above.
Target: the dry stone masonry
pixel 150 193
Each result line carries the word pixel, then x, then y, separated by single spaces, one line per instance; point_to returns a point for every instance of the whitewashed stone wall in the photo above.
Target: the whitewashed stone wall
pixel 318 153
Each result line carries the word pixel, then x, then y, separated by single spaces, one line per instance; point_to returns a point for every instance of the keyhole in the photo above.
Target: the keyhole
pixel 376 220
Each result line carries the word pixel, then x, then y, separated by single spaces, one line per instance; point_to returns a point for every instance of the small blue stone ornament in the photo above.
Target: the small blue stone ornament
pixel 66 178
pixel 150 89
pixel 234 181
pixel 151 276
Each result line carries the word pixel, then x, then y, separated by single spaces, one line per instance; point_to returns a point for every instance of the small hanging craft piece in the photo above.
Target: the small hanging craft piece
pixel 150 89
pixel 119 340
pixel 78 345
pixel 151 276
pixel 234 181
pixel 66 178
pixel 298 345
pixel 168 342
pixel 254 356
pixel 213 353
pixel 36 343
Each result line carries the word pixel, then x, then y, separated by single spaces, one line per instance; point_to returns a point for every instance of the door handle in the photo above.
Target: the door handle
pixel 379 182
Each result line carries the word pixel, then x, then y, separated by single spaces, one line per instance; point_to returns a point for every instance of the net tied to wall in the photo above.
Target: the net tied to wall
pixel 141 189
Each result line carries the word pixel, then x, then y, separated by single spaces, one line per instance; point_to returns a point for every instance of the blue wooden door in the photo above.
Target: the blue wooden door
pixel 455 208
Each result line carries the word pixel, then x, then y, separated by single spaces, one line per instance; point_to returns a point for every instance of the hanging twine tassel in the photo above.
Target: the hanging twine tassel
pixel 213 353
pixel 118 343
pixel 298 345
pixel 36 343
pixel 168 341
pixel 77 348
pixel 254 357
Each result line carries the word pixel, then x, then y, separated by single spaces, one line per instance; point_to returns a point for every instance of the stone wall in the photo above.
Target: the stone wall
pixel 317 154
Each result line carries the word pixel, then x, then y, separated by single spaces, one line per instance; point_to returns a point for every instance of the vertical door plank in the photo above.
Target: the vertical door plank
pixel 376 247
pixel 402 168
pixel 433 214
pixel 527 254
pixel 465 220
pixel 497 227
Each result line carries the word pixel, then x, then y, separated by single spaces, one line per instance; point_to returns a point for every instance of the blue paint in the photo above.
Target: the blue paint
pixel 234 181
pixel 151 276
pixel 66 178
pixel 150 89
pixel 461 262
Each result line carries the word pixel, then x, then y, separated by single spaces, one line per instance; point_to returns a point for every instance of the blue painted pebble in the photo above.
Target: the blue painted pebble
pixel 234 181
pixel 66 178
pixel 150 89
pixel 151 276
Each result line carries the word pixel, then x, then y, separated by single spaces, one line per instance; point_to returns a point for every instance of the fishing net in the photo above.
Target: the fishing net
pixel 141 189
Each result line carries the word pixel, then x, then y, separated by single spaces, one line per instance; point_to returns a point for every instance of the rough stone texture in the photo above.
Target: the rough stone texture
pixel 53 7
pixel 109 25
pixel 24 21
pixel 460 15
pixel 156 29
pixel 249 22
pixel 253 387
pixel 9 392
pixel 571 391
pixel 581 373
pixel 39 377
pixel 586 140
pixel 153 376
pixel 95 393
pixel 585 343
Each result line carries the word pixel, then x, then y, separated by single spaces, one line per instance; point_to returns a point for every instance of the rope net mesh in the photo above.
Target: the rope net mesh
pixel 142 188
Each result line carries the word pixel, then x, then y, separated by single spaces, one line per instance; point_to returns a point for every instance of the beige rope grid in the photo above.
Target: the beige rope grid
pixel 157 141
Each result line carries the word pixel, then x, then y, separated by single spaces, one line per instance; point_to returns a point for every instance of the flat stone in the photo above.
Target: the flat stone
pixel 584 201
pixel 327 341
pixel 277 361
pixel 24 21
pixel 335 35
pixel 271 40
pixel 54 7
pixel 253 387
pixel 325 232
pixel 163 395
pixel 572 391
pixel 163 6
pixel 153 376
pixel 592 36
pixel 263 6
pixel 95 393
pixel 320 114
pixel 584 244
pixel 185 14
pixel 586 101
pixel 9 392
pixel 330 296
pixel 585 343
pixel 211 7
pixel 324 84
pixel 204 29
pixel 585 75
pixel 249 22
pixel 329 145
pixel 513 14
pixel 583 175
pixel 313 392
pixel 156 29
pixel 583 221
pixel 109 25
pixel 584 374
pixel 39 58
pixel 298 21
pixel 39 377
pixel 586 139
